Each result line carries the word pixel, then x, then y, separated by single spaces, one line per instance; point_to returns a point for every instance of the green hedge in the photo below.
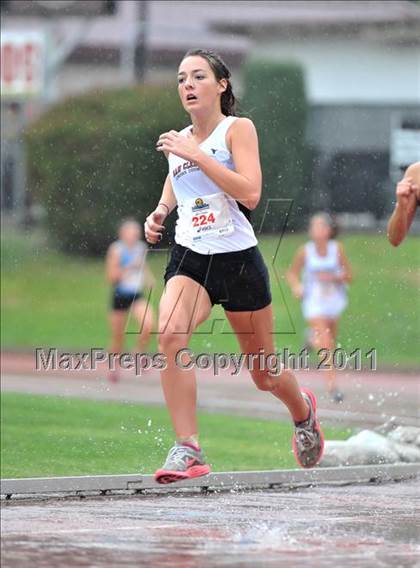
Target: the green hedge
pixel 274 98
pixel 92 160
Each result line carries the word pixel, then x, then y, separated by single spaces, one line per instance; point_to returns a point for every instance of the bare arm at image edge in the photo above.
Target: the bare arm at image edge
pixel 406 205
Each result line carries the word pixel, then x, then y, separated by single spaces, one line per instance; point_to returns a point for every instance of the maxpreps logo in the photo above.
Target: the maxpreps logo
pixel 200 205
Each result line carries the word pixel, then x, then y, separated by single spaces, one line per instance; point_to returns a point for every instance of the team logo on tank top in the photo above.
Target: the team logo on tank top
pixel 184 168
pixel 200 205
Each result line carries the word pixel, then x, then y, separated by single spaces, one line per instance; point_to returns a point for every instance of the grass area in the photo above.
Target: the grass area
pixel 49 299
pixel 79 437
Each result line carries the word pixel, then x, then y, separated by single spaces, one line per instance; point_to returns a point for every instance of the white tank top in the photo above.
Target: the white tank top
pixel 209 220
pixel 315 263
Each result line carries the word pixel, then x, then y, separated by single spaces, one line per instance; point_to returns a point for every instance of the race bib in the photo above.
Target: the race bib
pixel 206 216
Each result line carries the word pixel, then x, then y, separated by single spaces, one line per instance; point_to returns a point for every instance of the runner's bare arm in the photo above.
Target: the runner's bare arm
pixel 153 225
pixel 401 219
pixel 112 268
pixel 168 196
pixel 407 193
pixel 413 171
pixel 293 274
pixel 245 183
pixel 346 274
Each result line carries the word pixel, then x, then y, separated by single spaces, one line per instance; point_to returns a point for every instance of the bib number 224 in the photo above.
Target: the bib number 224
pixel 200 220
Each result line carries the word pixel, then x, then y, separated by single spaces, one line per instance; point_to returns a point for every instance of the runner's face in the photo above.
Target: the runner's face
pixel 197 85
pixel 319 230
pixel 130 233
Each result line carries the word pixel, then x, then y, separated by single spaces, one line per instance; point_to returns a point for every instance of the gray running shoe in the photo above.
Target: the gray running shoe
pixel 183 462
pixel 308 439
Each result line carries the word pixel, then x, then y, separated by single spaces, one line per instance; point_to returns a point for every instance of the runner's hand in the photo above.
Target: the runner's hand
pixel 175 143
pixel 404 190
pixel 153 226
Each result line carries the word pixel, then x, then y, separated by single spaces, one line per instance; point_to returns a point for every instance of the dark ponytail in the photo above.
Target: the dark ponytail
pixel 220 70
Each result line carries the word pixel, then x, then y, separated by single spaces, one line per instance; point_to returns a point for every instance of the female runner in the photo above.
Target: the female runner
pixel 215 180
pixel 326 272
pixel 128 272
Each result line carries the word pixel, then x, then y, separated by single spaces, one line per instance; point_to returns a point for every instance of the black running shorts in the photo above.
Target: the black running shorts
pixel 239 280
pixel 121 301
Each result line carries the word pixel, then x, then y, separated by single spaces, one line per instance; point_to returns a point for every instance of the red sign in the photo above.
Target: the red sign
pixel 22 64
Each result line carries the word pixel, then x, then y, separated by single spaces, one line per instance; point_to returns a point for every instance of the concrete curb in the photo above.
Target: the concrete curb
pixel 37 487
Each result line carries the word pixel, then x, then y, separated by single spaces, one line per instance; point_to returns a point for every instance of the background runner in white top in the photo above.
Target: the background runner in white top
pixel 323 298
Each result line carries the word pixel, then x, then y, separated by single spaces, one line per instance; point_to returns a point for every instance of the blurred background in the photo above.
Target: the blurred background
pixel 87 87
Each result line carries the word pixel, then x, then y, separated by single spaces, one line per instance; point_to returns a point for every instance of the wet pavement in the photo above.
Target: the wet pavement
pixel 352 526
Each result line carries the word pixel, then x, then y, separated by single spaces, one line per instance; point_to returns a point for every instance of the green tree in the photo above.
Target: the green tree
pixel 274 98
pixel 92 161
